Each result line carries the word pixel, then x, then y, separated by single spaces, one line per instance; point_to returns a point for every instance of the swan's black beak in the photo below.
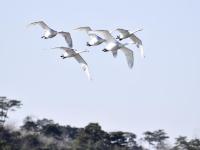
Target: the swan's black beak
pixel 105 50
pixel 118 38
pixel 43 37
pixel 62 57
pixel 88 44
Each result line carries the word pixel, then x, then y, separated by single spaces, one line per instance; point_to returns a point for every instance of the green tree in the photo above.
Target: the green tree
pixel 9 140
pixel 194 144
pixel 29 125
pixel 31 142
pixel 92 137
pixel 156 139
pixel 6 105
pixel 182 143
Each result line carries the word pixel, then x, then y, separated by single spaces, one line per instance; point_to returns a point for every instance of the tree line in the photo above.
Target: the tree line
pixel 45 134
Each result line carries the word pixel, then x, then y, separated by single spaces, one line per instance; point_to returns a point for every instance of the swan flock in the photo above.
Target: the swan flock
pixel 96 37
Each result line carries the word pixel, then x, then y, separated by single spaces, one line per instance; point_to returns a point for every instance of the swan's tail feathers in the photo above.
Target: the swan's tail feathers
pixel 86 70
pixel 28 25
pixel 114 54
pixel 141 51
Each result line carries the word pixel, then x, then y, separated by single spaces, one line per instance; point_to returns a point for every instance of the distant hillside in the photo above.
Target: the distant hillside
pixel 44 134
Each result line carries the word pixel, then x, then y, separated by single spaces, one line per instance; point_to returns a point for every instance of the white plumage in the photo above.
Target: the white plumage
pixel 113 46
pixel 123 34
pixel 97 37
pixel 50 33
pixel 69 52
pixel 94 39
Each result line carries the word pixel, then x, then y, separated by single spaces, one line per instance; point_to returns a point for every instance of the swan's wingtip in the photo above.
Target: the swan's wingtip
pixel 28 25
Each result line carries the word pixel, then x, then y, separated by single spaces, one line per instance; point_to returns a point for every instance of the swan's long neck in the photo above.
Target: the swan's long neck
pixel 133 32
pixel 78 52
pixel 88 30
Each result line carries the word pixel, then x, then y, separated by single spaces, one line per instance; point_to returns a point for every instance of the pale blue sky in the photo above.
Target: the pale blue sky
pixel 160 92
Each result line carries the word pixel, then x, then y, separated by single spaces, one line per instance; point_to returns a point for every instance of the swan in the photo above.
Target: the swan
pixel 123 34
pixel 50 33
pixel 113 45
pixel 69 52
pixel 94 39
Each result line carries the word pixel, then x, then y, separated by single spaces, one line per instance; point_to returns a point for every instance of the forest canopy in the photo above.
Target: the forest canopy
pixel 45 134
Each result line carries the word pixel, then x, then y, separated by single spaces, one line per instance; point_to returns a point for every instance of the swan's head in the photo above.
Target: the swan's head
pixel 118 38
pixel 88 44
pixel 62 56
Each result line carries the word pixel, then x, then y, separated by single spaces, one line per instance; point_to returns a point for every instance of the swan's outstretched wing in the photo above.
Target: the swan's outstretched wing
pixel 135 39
pixel 78 58
pixel 84 29
pixel 114 54
pixel 104 34
pixel 67 37
pixel 94 36
pixel 95 39
pixel 123 32
pixel 40 23
pixel 83 64
pixel 129 56
pixel 141 51
pixel 138 43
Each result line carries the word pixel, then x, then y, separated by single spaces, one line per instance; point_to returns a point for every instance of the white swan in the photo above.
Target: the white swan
pixel 123 34
pixel 94 39
pixel 50 33
pixel 113 45
pixel 69 52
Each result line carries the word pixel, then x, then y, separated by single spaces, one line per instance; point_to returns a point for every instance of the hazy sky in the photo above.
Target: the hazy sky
pixel 162 91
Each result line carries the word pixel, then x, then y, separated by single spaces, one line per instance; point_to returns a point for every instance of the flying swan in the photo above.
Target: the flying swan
pixel 123 34
pixel 113 45
pixel 50 33
pixel 69 52
pixel 94 39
